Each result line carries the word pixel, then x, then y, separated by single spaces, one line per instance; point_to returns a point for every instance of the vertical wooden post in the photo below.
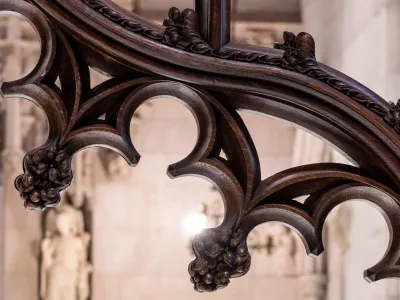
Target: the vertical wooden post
pixel 201 7
pixel 214 21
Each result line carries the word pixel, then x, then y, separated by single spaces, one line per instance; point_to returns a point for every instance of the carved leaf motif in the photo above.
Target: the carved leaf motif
pixel 393 116
pixel 125 22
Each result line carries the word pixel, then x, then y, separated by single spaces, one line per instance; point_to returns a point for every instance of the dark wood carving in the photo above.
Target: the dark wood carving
pixel 47 173
pixel 194 62
pixel 182 31
pixel 124 21
pixel 393 116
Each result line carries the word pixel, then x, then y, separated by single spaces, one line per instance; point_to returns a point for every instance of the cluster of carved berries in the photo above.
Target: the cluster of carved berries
pixel 46 173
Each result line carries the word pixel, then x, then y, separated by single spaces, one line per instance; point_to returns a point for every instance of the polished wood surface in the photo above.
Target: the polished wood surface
pixel 192 59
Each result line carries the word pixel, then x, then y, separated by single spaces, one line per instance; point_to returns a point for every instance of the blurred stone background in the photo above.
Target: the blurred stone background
pixel 135 218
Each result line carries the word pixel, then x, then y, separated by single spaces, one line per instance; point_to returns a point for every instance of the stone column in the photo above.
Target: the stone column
pixel 313 286
pixel 313 271
pixel 393 292
pixel 20 230
pixel 12 153
pixel 356 37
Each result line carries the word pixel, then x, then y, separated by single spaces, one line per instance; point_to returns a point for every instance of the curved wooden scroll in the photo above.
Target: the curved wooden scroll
pixel 147 60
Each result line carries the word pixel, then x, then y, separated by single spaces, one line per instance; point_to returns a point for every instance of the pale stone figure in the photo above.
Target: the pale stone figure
pixel 65 268
pixel 76 219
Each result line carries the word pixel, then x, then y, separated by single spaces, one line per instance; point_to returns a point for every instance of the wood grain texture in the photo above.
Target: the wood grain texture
pixel 214 79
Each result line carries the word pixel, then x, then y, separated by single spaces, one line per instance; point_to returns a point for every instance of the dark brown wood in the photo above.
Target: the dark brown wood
pixel 192 60
pixel 214 21
pixel 220 23
pixel 202 8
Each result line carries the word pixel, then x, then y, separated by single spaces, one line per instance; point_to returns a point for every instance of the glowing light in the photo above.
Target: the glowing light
pixel 195 223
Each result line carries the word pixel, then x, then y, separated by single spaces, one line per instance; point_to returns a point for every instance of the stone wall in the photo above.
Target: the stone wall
pixel 140 249
pixel 20 231
pixel 358 38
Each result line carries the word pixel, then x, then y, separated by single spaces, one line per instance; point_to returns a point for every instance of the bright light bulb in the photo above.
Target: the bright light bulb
pixel 195 223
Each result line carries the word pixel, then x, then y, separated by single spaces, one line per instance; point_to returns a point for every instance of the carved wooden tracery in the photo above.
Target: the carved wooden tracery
pixel 191 59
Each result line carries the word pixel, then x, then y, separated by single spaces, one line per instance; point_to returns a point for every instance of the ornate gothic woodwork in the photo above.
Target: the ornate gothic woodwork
pixel 191 59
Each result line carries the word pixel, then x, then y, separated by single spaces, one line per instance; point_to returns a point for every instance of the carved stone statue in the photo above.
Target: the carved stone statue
pixel 75 215
pixel 65 269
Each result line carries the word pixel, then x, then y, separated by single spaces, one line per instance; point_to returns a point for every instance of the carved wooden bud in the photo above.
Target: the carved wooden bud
pixel 234 242
pixel 35 196
pixel 198 266
pixel 38 156
pixel 174 14
pixel 52 152
pixel 189 18
pixel 289 37
pixel 54 174
pixel 305 41
pixel 51 192
pixel 208 278
pixel 197 278
pixel 241 269
pixel 28 180
pixel 240 260
pixel 29 205
pixel 41 167
pixel 229 257
pixel 201 286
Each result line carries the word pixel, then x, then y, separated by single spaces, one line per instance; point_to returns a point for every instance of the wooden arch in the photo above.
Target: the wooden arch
pixel 191 58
